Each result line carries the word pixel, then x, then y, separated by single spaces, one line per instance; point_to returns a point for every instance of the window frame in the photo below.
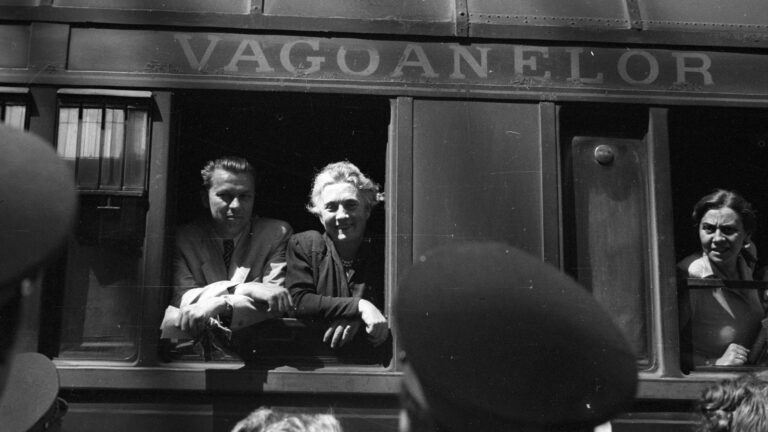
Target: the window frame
pixel 569 127
pixel 148 372
pixel 153 193
pixel 664 380
pixel 663 377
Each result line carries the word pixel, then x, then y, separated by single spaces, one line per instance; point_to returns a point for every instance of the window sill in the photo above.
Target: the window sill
pixel 227 377
pixel 688 387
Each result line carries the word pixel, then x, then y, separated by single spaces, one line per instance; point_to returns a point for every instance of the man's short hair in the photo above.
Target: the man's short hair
pixel 234 164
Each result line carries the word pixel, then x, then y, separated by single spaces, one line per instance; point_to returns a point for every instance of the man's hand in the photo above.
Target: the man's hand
pixel 277 298
pixel 341 332
pixel 194 318
pixel 375 323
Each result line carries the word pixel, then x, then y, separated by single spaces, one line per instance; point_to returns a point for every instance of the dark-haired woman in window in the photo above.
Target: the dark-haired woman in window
pixel 720 324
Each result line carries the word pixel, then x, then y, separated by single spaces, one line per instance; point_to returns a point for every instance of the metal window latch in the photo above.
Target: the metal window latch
pixel 604 154
pixel 108 206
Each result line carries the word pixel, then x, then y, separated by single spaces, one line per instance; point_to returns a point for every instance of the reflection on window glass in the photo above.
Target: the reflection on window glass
pixel 112 158
pixel 15 115
pixel 67 139
pixel 106 145
pixel 103 280
pixel 90 149
pixel 136 151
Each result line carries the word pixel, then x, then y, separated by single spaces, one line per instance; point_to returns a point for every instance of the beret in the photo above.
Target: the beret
pixel 497 338
pixel 37 203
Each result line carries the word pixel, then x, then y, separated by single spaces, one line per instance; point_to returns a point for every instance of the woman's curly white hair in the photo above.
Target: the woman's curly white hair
pixel 343 172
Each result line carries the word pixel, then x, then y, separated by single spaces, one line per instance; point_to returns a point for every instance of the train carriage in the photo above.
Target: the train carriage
pixel 581 132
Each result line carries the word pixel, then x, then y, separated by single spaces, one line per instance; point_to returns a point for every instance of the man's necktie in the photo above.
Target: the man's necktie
pixel 229 247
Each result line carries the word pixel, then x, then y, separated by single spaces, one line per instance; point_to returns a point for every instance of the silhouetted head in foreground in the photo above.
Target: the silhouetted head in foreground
pixel 496 340
pixel 735 405
pixel 268 420
pixel 37 210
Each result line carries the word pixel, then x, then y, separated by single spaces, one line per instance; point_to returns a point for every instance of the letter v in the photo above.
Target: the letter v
pixel 198 65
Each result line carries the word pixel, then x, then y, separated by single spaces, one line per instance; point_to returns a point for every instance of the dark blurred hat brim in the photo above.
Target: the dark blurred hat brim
pixel 30 397
pixel 450 416
pixel 37 203
pixel 493 333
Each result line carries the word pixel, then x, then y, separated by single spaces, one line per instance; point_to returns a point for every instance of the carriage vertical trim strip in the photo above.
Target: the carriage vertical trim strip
pixel 462 18
pixel 257 7
pixel 633 15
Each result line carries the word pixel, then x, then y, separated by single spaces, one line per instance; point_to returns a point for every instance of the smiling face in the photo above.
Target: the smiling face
pixel 343 212
pixel 722 236
pixel 230 201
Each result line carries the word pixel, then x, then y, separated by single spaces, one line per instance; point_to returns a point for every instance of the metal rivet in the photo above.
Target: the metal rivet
pixel 604 154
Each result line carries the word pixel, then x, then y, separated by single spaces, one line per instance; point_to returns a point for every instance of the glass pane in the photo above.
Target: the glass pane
pixel 612 248
pixel 90 149
pixel 445 204
pixel 112 157
pixel 104 268
pixel 103 279
pixel 66 141
pixel 605 213
pixel 136 151
pixel 15 115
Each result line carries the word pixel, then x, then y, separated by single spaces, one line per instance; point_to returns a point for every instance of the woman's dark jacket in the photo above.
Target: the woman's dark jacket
pixel 320 286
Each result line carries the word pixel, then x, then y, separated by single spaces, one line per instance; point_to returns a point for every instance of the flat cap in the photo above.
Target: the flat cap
pixel 499 339
pixel 37 203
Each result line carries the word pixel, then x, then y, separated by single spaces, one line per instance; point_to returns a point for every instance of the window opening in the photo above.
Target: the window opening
pixel 722 148
pixel 288 138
